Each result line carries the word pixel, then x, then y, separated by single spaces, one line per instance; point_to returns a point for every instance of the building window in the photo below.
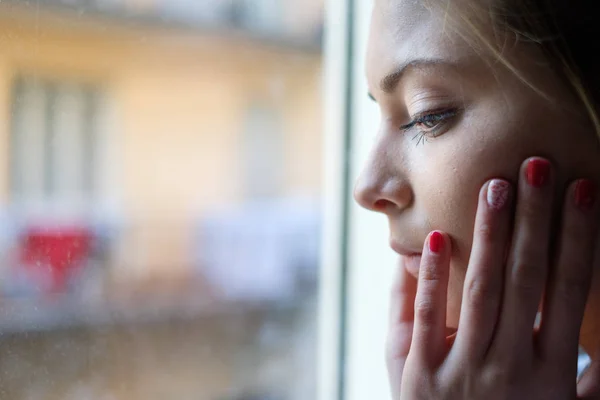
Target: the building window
pixel 263 162
pixel 54 144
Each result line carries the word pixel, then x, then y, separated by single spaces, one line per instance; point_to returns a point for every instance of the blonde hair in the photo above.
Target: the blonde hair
pixel 564 30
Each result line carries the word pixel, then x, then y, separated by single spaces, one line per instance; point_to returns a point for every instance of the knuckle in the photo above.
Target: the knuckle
pixel 493 374
pixel 533 207
pixel 420 380
pixel 572 288
pixel 578 235
pixel 528 277
pixel 504 372
pixel 486 232
pixel 505 379
pixel 431 273
pixel 480 294
pixel 425 312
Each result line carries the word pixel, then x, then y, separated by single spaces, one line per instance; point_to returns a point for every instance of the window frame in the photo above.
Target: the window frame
pixel 332 285
pixel 355 281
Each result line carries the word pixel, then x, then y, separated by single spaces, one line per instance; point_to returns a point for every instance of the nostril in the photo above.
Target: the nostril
pixel 381 205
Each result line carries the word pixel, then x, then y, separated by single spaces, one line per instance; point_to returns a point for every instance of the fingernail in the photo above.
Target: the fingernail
pixel 538 172
pixel 497 194
pixel 585 191
pixel 436 242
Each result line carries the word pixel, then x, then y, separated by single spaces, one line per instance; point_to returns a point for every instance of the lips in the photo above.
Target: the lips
pixel 411 258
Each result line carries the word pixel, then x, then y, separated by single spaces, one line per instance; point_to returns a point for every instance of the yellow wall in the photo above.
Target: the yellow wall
pixel 179 101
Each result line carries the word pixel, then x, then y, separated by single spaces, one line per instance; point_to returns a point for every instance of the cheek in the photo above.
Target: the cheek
pixel 452 193
pixel 450 198
pixel 456 215
pixel 456 166
pixel 463 163
pixel 449 192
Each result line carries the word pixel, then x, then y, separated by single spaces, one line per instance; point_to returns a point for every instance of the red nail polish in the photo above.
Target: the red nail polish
pixel 585 194
pixel 436 242
pixel 538 172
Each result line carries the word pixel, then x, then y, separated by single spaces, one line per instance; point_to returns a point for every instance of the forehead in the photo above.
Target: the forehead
pixel 404 30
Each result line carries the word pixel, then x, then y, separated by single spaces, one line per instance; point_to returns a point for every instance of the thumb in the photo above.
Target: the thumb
pixel 400 330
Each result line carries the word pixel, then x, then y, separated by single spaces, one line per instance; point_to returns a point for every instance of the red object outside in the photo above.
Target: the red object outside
pixel 59 251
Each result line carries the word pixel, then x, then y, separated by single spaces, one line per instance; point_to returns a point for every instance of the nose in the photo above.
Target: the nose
pixel 383 187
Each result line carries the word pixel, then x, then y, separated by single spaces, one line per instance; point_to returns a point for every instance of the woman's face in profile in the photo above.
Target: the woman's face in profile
pixel 452 118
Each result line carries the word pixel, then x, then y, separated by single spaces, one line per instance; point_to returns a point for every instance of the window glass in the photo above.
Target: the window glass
pixel 160 213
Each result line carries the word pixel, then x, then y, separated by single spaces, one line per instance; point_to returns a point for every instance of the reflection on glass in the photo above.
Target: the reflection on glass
pixel 159 208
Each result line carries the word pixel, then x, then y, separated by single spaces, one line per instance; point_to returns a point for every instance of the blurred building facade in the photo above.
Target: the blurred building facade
pixel 146 115
pixel 151 138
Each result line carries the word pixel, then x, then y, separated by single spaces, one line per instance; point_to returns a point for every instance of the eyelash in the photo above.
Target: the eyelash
pixel 437 117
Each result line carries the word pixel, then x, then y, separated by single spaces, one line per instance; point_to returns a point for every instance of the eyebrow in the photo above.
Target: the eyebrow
pixel 390 82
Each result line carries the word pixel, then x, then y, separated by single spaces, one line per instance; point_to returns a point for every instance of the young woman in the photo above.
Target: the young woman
pixel 486 164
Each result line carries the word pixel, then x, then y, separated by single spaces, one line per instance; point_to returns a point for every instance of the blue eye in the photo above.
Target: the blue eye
pixel 430 123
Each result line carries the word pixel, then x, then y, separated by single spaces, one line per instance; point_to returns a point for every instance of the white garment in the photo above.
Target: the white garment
pixel 583 363
pixel 261 251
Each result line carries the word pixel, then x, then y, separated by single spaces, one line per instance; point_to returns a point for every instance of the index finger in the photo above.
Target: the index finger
pixel 429 334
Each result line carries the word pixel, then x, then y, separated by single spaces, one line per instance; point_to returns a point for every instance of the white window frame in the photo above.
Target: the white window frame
pixel 372 262
pixel 358 265
pixel 331 285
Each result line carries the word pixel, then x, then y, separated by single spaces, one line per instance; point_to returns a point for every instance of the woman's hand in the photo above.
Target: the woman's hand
pixel 496 352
